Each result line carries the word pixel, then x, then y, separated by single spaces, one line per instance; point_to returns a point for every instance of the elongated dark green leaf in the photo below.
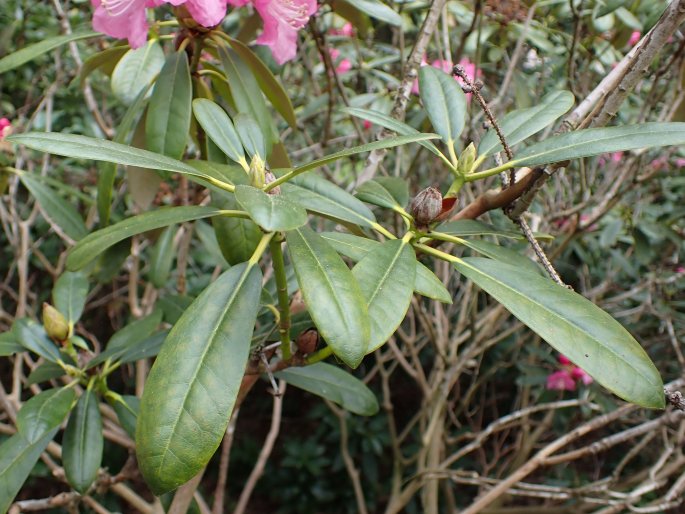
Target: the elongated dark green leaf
pixel 69 295
pixel 251 135
pixel 136 70
pixel 97 242
pixel 16 59
pixel 32 336
pixel 44 372
pixel 502 253
pixel 390 123
pixel 17 458
pixel 168 115
pixel 237 237
pixel 397 187
pixel 271 87
pixel 271 212
pixel 377 9
pixel 465 228
pixel 162 257
pixel 356 248
pixel 374 193
pixel 247 96
pixel 106 58
pixel 83 147
pixel 192 387
pixel 44 412
pixel 595 141
pixel 9 344
pixel 332 294
pixel 574 326
pixel 127 408
pixel 149 347
pixel 445 103
pixel 321 196
pixel 521 124
pixel 334 384
pixel 55 208
pixel 386 276
pixel 108 170
pixel 82 443
pixel 219 127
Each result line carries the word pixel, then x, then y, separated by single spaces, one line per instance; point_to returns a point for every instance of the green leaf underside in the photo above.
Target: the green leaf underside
pixel 219 127
pixel 168 115
pixel 426 283
pixel 595 141
pixel 17 459
pixel 334 384
pixel 521 124
pixel 502 253
pixel 251 135
pixel 136 70
pixel 97 242
pixel 26 54
pixel 321 196
pixel 377 10
pixel 192 387
pixel 444 101
pixel 465 228
pixel 83 147
pixel 374 193
pixel 271 212
pixel 44 412
pixel 333 296
pixel 55 208
pixel 69 295
pixel 574 326
pixel 386 277
pixel 82 443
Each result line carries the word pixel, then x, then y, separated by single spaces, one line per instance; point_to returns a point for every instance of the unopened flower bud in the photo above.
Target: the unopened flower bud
pixel 269 177
pixel 55 323
pixel 426 206
pixel 307 341
pixel 257 172
pixel 466 159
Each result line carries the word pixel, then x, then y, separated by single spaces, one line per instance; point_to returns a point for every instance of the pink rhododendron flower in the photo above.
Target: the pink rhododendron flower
pixel 5 128
pixel 127 18
pixel 343 66
pixel 580 374
pixel 347 30
pixel 563 360
pixel 634 38
pixel 561 381
pixel 367 125
pixel 680 162
pixel 680 269
pixel 282 20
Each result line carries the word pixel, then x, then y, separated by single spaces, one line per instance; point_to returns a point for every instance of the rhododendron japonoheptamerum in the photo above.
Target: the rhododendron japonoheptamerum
pixel 282 19
pixel 5 128
pixel 565 379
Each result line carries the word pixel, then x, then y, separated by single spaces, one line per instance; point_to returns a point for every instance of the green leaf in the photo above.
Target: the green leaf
pixel 237 237
pixel 390 123
pixel 82 443
pixel 333 296
pixel 247 96
pixel 97 242
pixel 69 295
pixel 55 208
pixel 26 54
pixel 44 372
pixel 595 141
pixel 149 347
pixel 9 344
pixel 521 124
pixel 168 115
pixel 173 307
pixel 321 196
pixel 32 336
pixel 377 9
pixel 465 228
pixel 44 412
pixel 386 277
pixel 17 459
pixel 82 147
pixel 136 70
pixel 162 257
pixel 108 57
pixel 445 103
pixel 574 326
pixel 192 386
pixel 374 193
pixel 397 187
pixel 271 212
pixel 334 384
pixel 356 248
pixel 219 128
pixel 127 408
pixel 271 87
pixel 504 254
pixel 250 135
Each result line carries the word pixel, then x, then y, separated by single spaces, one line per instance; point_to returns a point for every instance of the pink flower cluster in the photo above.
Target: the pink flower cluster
pixel 566 378
pixel 447 66
pixel 282 19
pixel 5 128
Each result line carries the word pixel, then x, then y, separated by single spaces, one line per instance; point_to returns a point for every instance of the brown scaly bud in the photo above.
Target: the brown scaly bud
pixel 426 206
pixel 269 177
pixel 55 324
pixel 307 341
